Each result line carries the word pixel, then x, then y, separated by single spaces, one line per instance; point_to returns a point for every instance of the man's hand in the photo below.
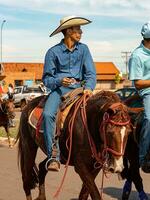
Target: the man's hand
pixel 88 92
pixel 66 82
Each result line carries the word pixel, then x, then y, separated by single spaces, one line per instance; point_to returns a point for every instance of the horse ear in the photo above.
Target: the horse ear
pixel 134 110
pixel 111 111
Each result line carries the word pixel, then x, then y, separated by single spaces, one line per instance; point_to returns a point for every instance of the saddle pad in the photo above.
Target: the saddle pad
pixel 34 118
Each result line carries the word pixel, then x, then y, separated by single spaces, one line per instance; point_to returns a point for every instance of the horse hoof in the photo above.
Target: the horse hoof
pixel 143 196
pixel 146 167
pixel 126 190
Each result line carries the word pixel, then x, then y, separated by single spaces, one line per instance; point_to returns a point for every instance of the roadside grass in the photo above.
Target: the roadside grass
pixel 13 130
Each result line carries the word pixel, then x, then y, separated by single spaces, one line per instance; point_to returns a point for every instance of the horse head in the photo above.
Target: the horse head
pixel 114 130
pixel 7 108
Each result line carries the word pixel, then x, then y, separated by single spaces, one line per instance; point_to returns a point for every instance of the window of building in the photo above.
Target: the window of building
pixel 38 81
pixel 18 82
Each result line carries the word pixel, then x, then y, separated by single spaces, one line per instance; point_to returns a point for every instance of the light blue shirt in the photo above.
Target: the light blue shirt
pixel 60 62
pixel 139 66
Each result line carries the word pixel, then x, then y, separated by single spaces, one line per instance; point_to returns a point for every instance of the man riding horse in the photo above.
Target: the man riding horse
pixel 68 65
pixel 139 73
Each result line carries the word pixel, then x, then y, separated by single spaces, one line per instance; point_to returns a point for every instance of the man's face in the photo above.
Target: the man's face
pixel 75 33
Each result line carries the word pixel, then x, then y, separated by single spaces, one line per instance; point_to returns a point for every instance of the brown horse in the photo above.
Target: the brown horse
pixel 98 141
pixel 6 113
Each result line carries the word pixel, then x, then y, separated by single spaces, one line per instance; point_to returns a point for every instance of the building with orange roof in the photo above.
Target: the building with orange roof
pixel 106 73
pixel 31 74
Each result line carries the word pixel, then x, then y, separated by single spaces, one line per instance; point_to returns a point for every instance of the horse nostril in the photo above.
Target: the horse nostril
pixel 111 169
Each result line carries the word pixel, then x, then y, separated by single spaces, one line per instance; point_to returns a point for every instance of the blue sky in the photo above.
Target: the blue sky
pixel 115 27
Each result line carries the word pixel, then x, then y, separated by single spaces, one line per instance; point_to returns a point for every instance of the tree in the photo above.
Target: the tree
pixel 117 78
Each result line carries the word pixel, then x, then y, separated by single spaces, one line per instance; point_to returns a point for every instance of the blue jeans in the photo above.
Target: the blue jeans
pixel 49 116
pixel 144 144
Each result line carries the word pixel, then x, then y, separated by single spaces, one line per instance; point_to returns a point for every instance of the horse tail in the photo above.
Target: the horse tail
pixel 22 140
pixel 26 147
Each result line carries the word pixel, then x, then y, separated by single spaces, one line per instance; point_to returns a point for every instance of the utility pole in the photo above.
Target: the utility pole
pixel 126 55
pixel 1 62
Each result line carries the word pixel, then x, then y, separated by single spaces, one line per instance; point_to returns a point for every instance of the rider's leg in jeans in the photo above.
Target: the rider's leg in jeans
pixel 49 116
pixel 144 144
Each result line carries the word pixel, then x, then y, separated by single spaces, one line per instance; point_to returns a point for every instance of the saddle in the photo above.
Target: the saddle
pixel 68 100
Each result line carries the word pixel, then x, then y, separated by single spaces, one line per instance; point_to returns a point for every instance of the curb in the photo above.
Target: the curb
pixel 4 142
pixel 5 139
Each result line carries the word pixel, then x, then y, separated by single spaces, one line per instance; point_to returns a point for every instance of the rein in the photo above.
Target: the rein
pixel 81 103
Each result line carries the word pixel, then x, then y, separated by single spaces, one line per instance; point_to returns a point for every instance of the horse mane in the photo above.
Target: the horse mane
pixel 98 104
pixel 32 104
pixel 103 97
pixel 106 95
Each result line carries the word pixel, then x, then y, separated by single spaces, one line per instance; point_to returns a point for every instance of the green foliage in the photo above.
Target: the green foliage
pixel 13 131
pixel 117 78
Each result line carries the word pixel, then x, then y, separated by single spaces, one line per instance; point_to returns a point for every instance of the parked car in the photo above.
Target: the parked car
pixel 126 92
pixel 24 94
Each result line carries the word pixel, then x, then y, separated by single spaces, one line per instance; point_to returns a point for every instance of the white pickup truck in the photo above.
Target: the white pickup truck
pixel 24 94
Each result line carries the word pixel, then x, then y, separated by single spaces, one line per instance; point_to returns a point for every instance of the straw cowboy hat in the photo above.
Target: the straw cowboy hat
pixel 70 21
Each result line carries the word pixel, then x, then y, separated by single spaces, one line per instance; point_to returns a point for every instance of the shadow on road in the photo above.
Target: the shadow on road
pixel 73 199
pixel 117 193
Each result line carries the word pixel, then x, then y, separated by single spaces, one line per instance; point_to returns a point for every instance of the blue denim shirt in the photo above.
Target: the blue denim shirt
pixel 60 62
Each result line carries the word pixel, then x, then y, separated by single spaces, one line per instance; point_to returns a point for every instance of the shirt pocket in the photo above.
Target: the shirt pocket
pixel 63 62
pixel 77 58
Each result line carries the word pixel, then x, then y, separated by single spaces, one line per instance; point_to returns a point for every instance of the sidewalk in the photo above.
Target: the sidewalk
pixel 4 141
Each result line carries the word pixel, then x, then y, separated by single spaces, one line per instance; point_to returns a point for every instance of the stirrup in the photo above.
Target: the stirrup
pixel 52 165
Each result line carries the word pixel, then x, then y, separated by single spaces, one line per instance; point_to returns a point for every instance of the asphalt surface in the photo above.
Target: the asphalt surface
pixel 11 183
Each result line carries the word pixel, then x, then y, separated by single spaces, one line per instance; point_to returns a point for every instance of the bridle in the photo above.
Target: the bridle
pixel 107 120
pixel 101 158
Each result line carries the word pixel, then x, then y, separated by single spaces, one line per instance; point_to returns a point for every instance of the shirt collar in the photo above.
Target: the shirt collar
pixel 64 48
pixel 144 48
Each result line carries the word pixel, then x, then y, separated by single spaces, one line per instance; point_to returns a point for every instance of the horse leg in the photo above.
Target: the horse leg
pixel 84 193
pixel 86 177
pixel 8 136
pixel 42 175
pixel 133 172
pixel 128 184
pixel 27 168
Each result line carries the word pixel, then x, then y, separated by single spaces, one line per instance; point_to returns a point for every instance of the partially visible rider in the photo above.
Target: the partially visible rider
pixel 10 94
pixel 67 65
pixel 10 91
pixel 139 73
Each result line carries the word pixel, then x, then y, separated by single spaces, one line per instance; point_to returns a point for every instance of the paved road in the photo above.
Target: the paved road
pixel 11 185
